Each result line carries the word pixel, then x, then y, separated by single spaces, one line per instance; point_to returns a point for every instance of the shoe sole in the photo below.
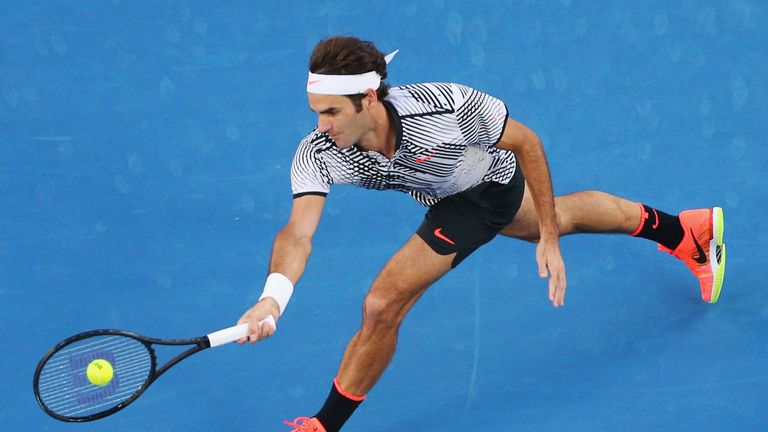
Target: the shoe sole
pixel 718 271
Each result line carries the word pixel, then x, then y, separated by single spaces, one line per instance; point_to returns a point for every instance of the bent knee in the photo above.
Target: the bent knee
pixel 385 306
pixel 380 312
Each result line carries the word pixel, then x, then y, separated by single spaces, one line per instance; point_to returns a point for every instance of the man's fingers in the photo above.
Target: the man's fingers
pixel 553 289
pixel 261 330
pixel 559 284
pixel 559 297
pixel 551 265
pixel 542 266
pixel 563 285
pixel 258 329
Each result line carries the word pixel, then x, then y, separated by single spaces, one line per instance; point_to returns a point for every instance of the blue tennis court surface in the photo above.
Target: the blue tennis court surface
pixel 144 157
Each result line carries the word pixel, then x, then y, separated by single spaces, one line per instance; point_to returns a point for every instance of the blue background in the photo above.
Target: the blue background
pixel 144 170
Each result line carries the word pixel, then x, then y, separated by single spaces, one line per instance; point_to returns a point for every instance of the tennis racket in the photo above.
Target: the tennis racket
pixel 64 391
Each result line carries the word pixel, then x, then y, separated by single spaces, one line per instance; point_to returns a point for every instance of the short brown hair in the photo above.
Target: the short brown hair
pixel 347 55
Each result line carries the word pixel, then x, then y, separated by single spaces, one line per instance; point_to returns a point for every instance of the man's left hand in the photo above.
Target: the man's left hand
pixel 551 264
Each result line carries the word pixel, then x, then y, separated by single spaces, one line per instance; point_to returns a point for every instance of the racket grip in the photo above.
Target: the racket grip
pixel 234 333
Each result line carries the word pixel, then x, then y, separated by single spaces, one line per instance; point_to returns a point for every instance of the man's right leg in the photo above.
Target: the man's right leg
pixel 395 290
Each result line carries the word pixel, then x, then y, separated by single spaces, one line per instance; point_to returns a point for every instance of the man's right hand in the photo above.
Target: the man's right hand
pixel 254 316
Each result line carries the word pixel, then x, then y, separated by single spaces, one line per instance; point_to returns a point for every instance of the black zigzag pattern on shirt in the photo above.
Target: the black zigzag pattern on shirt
pixel 447 143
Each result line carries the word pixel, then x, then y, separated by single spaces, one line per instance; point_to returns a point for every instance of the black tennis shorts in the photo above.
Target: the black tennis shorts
pixel 467 220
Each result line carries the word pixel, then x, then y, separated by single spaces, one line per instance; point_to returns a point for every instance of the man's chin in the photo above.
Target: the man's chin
pixel 342 143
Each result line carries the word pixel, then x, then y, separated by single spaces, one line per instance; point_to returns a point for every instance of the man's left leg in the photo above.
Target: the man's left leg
pixel 694 236
pixel 395 290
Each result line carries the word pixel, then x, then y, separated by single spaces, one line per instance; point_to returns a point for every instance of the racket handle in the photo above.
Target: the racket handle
pixel 234 333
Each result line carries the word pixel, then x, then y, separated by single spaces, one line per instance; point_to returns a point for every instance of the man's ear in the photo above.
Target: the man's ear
pixel 371 96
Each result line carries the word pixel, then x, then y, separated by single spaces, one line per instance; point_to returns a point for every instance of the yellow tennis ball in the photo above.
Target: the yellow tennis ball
pixel 99 372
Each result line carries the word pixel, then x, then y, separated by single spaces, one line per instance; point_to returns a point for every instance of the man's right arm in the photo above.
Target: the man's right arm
pixel 293 243
pixel 290 252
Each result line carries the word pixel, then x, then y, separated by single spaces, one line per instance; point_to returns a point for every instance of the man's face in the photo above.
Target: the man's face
pixel 337 116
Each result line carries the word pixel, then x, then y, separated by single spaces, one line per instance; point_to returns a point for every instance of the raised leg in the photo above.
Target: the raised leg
pixel 579 212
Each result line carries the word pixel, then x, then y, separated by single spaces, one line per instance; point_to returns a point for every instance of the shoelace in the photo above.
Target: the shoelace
pixel 300 426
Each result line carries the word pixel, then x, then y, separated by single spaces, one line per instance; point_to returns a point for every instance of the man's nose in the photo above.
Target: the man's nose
pixel 323 125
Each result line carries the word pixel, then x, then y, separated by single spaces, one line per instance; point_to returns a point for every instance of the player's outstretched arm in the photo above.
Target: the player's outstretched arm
pixel 527 148
pixel 290 252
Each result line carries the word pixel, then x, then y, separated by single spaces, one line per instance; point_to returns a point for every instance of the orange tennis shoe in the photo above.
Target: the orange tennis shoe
pixel 307 425
pixel 702 249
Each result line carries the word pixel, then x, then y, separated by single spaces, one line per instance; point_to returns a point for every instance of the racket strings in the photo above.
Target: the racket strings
pixel 64 387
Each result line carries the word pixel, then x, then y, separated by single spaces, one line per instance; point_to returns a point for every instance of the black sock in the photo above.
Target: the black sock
pixel 660 227
pixel 337 408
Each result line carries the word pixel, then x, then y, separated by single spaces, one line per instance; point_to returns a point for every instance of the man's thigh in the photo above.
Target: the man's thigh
pixel 525 225
pixel 409 272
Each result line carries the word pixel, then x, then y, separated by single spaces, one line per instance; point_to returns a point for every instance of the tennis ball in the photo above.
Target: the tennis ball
pixel 99 372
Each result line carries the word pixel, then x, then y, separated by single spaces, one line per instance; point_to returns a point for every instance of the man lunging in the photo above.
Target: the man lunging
pixel 480 173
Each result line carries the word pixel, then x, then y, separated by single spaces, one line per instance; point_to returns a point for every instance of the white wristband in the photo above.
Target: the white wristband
pixel 280 288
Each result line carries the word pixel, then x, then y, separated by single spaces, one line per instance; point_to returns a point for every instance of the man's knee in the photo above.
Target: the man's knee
pixel 385 305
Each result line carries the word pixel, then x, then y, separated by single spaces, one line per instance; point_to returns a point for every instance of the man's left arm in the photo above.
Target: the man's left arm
pixel 526 146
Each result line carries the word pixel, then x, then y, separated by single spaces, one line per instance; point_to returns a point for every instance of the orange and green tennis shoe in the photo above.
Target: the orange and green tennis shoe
pixel 702 249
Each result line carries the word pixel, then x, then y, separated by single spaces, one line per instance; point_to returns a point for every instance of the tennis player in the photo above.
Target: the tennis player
pixel 479 172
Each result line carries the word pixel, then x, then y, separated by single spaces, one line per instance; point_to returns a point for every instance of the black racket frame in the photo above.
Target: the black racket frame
pixel 199 344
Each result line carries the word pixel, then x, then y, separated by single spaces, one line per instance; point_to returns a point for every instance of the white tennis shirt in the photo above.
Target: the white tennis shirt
pixel 446 137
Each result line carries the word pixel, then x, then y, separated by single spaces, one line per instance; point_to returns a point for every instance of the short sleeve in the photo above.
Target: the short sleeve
pixel 481 116
pixel 309 175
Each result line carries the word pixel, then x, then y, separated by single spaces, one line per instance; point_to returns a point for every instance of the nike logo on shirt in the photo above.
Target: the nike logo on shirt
pixel 425 158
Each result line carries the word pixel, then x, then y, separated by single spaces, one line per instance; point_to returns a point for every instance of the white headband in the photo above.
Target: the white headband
pixel 345 84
